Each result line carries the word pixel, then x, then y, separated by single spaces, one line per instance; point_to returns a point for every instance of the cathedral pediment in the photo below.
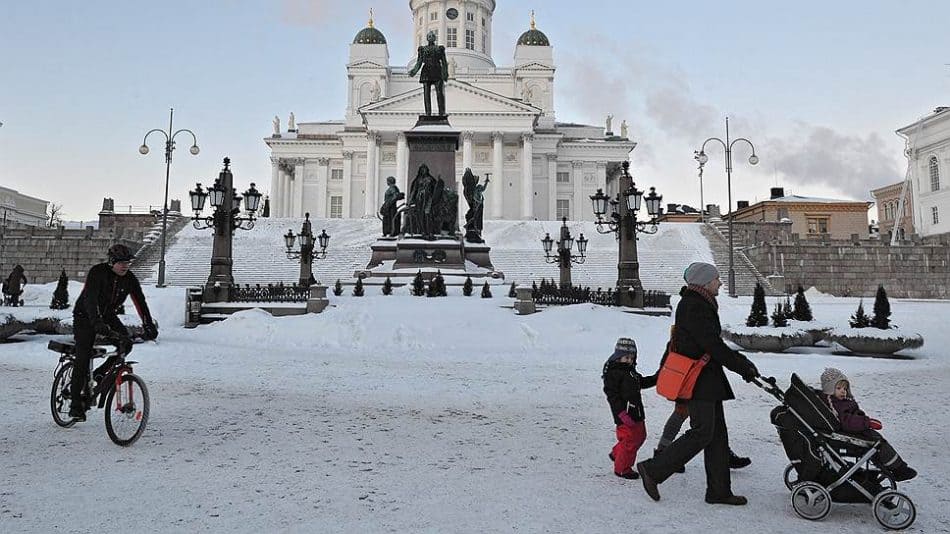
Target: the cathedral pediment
pixel 460 97
pixel 534 65
pixel 365 64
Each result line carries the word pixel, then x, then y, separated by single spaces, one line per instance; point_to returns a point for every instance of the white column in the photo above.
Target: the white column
pixel 323 197
pixel 298 188
pixel 347 182
pixel 498 175
pixel 372 174
pixel 552 187
pixel 402 163
pixel 527 176
pixel 288 192
pixel 577 180
pixel 274 183
pixel 442 24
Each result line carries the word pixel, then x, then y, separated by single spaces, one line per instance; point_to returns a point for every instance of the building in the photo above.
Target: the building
pixel 810 216
pixel 887 199
pixel 17 208
pixel 928 142
pixel 539 168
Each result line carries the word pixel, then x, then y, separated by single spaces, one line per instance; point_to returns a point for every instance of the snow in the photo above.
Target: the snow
pixel 428 415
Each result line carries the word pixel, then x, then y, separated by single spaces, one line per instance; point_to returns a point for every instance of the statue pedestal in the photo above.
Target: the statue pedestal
pixel 452 256
pixel 434 143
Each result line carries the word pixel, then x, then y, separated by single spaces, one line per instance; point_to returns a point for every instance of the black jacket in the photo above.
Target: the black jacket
pixel 622 384
pixel 699 332
pixel 105 291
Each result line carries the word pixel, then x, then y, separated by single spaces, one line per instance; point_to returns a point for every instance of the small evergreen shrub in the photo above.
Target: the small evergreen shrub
pixel 882 310
pixel 759 315
pixel 802 310
pixel 860 319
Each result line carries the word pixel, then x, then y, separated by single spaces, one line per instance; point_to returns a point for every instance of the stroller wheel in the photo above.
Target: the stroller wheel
pixel 791 476
pixel 811 501
pixel 894 510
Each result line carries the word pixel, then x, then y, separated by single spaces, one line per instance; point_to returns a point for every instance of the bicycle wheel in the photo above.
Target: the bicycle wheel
pixel 127 410
pixel 58 403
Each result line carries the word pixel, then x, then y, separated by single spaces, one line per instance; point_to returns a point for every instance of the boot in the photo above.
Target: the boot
pixel 903 472
pixel 733 500
pixel 649 485
pixel 629 474
pixel 77 412
pixel 738 462
pixel 680 469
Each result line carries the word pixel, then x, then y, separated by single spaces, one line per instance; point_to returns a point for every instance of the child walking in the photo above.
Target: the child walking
pixel 622 385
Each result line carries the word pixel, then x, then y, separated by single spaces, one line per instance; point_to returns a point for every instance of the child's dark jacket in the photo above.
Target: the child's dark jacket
pixel 622 384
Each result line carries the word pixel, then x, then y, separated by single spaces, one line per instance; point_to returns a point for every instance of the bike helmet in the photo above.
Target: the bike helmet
pixel 120 252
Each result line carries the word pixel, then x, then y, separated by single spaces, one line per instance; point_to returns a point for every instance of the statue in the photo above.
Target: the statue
pixel 391 226
pixel 291 123
pixel 446 209
pixel 610 119
pixel 474 195
pixel 526 94
pixel 452 66
pixel 421 200
pixel 374 91
pixel 276 125
pixel 435 71
pixel 623 128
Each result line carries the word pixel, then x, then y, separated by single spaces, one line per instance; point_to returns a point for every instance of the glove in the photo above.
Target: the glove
pixel 102 328
pixel 874 424
pixel 750 372
pixel 626 419
pixel 149 331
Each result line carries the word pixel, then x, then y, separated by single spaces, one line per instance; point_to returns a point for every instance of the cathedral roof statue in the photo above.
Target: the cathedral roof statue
pixel 369 34
pixel 534 36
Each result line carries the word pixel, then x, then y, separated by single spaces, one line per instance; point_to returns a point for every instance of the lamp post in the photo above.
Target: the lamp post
pixel 563 255
pixel 623 222
pixel 225 219
pixel 306 253
pixel 702 158
pixel 169 148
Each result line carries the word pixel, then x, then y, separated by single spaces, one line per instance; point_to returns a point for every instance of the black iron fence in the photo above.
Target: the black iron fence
pixel 549 293
pixel 270 293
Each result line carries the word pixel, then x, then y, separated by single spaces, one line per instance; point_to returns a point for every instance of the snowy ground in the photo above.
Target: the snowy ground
pixel 426 415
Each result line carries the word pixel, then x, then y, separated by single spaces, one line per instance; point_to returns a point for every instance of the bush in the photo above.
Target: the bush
pixel 778 316
pixel 802 310
pixel 759 316
pixel 860 319
pixel 388 287
pixel 882 310
pixel 437 286
pixel 787 309
pixel 467 287
pixel 358 288
pixel 511 292
pixel 486 291
pixel 418 285
pixel 338 288
pixel 61 295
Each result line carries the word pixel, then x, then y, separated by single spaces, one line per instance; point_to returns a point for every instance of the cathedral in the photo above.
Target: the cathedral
pixel 540 169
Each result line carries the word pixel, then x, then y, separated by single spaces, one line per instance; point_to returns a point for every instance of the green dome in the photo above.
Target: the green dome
pixel 369 35
pixel 534 38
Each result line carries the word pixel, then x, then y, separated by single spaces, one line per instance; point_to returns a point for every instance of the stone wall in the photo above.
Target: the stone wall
pixel 44 252
pixel 754 233
pixel 856 267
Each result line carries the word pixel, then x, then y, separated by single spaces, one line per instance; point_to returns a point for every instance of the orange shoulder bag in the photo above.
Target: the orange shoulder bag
pixel 677 376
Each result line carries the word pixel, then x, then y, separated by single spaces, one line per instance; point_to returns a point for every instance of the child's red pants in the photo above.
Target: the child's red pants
pixel 629 440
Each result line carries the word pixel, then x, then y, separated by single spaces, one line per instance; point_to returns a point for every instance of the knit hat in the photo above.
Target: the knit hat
pixel 830 379
pixel 624 347
pixel 700 274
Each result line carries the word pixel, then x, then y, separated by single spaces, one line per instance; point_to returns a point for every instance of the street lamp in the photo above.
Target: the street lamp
pixel 306 253
pixel 224 221
pixel 169 148
pixel 563 256
pixel 702 158
pixel 623 222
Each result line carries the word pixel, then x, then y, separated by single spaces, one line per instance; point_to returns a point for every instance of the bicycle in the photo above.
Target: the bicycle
pixel 119 389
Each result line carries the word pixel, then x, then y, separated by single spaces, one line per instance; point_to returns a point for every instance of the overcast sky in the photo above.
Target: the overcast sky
pixel 818 86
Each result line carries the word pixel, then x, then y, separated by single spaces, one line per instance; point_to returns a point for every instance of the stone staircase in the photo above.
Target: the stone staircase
pixel 717 232
pixel 148 256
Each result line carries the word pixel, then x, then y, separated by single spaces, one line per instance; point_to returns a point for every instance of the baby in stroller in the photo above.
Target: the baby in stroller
pixel 836 391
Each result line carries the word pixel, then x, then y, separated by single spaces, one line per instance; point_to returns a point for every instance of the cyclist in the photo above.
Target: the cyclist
pixel 107 285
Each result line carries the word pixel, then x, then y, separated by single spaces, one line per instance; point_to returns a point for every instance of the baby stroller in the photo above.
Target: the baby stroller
pixel 828 465
pixel 9 299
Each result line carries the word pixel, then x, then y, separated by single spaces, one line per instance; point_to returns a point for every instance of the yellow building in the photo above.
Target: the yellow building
pixel 810 216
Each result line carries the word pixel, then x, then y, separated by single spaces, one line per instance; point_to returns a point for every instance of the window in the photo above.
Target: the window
pixel 818 225
pixel 336 174
pixel 470 39
pixel 470 17
pixel 484 43
pixel 563 177
pixel 782 214
pixel 934 174
pixel 936 216
pixel 483 22
pixel 436 33
pixel 563 209
pixel 336 207
pixel 434 15
pixel 452 37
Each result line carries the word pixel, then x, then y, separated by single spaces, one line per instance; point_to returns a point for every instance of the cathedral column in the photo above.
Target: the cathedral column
pixel 323 197
pixel 274 182
pixel 402 163
pixel 577 180
pixel 527 176
pixel 372 174
pixel 286 189
pixel 347 182
pixel 552 187
pixel 298 187
pixel 498 174
pixel 441 40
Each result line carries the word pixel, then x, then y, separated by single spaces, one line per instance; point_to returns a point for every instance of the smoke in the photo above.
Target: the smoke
pixel 389 17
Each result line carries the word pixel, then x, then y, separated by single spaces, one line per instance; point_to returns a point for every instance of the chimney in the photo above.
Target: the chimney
pixel 742 204
pixel 672 208
pixel 777 192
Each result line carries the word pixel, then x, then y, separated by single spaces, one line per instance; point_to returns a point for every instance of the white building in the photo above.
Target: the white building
pixel 930 160
pixel 15 207
pixel 505 115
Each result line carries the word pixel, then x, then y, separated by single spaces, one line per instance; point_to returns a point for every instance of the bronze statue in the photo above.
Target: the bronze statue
pixel 474 195
pixel 391 226
pixel 435 71
pixel 421 193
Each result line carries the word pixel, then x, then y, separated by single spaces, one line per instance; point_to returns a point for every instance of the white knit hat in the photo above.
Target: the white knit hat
pixel 700 273
pixel 830 379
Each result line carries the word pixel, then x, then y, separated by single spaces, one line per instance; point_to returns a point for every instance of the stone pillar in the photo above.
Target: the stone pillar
pixel 298 188
pixel 498 175
pixel 527 176
pixel 347 182
pixel 552 187
pixel 323 175
pixel 577 181
pixel 467 138
pixel 274 186
pixel 372 174
pixel 402 163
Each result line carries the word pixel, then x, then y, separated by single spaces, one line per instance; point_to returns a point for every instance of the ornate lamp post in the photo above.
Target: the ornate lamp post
pixel 563 256
pixel 306 253
pixel 169 148
pixel 702 158
pixel 225 219
pixel 623 222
